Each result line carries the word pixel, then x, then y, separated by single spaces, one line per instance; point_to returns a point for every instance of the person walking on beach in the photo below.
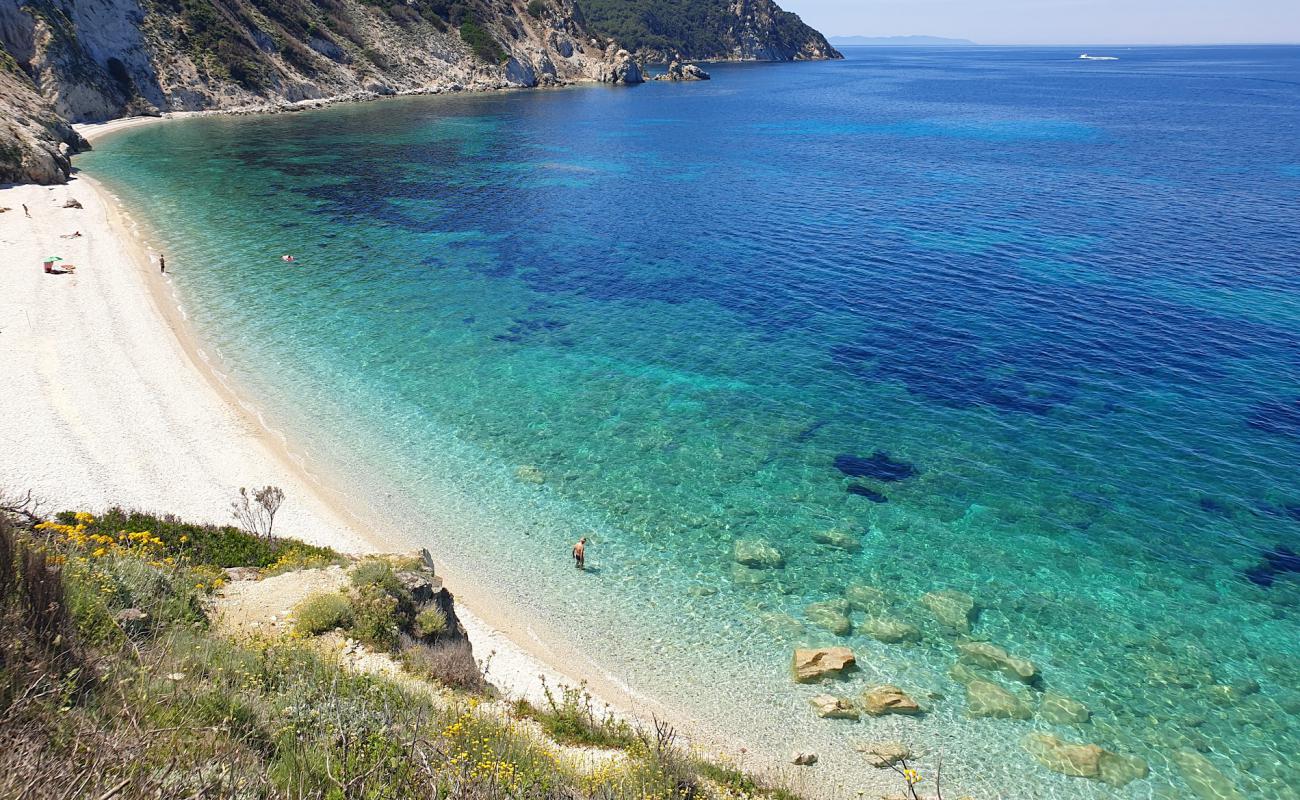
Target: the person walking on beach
pixel 580 553
pixel 25 211
pixel 162 263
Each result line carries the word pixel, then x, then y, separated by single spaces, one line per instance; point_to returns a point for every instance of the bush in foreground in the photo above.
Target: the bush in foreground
pixel 322 612
pixel 169 709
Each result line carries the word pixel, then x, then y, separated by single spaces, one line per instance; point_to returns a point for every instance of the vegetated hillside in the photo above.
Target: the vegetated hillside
pixel 93 60
pixel 120 677
pixel 747 30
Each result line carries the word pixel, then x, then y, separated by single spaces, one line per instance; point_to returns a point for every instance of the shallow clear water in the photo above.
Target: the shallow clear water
pixel 1066 292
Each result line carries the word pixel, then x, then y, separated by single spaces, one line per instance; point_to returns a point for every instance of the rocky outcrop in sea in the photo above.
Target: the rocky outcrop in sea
pixel 678 71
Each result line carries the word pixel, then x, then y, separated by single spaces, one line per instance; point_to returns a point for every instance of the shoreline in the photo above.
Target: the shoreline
pixel 519 654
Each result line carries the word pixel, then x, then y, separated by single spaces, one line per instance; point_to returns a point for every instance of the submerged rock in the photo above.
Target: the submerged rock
pixel 830 615
pixel 811 664
pixel 890 630
pixel 1205 780
pixel 527 473
pixel 990 656
pixel 742 575
pixel 778 623
pixel 987 699
pixel 1061 710
pixel 862 597
pixel 879 465
pixel 836 537
pixel 828 706
pixel 757 554
pixel 883 755
pixel 888 699
pixel 1084 760
pixel 952 608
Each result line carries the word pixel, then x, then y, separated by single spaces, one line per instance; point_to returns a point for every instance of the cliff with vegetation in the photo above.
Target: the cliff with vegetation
pixel 91 60
pixel 716 30
pixel 141 656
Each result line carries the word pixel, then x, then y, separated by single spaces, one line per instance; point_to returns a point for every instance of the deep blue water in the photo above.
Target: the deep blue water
pixel 1025 325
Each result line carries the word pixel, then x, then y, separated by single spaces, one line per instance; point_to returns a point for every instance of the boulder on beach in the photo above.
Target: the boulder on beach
pixel 811 664
pixel 883 755
pixel 1205 780
pixel 830 615
pixel 888 699
pixel 802 758
pixel 1084 760
pixel 952 608
pixel 757 554
pixel 1061 710
pixel 828 706
pixel 990 656
pixel 838 538
pixel 889 629
pixel 987 699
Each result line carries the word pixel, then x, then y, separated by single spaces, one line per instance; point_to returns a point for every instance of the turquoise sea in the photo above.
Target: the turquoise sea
pixel 1010 323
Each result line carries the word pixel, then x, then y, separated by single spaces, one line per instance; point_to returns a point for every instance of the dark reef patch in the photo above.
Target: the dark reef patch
pixel 1279 560
pixel 1277 417
pixel 867 492
pixel 879 466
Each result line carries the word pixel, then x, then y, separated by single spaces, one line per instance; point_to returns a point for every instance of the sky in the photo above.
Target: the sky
pixel 1059 21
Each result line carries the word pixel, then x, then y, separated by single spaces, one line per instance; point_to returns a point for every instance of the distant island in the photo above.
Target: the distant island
pixel 900 41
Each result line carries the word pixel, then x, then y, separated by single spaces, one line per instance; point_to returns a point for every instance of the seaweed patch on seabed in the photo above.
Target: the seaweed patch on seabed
pixel 1279 560
pixel 879 466
pixel 867 492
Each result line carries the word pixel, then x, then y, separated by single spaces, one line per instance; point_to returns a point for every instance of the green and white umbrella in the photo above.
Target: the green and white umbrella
pixel 53 258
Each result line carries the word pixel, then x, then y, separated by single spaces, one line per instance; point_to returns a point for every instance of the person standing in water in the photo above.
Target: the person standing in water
pixel 580 553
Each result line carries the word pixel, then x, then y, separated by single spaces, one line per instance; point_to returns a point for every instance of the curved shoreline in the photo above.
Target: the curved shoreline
pixel 520 652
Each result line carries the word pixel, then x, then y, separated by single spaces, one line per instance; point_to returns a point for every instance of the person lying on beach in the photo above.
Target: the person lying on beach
pixel 72 235
pixel 580 553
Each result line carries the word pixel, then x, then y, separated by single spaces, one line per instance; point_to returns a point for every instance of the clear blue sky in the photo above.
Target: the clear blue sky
pixel 1059 21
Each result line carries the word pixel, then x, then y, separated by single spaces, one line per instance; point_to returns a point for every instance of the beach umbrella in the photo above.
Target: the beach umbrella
pixel 53 258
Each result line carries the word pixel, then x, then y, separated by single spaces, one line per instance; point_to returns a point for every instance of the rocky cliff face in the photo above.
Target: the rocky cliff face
pixel 734 30
pixel 91 60
pixel 761 31
pixel 34 141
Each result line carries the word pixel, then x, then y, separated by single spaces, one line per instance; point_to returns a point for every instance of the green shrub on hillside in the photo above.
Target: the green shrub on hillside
pixel 482 43
pixel 375 618
pixel 571 718
pixel 322 612
pixel 221 546
pixel 430 622
pixel 536 8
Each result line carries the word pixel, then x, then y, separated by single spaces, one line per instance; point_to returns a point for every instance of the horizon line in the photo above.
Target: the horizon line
pixel 973 43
